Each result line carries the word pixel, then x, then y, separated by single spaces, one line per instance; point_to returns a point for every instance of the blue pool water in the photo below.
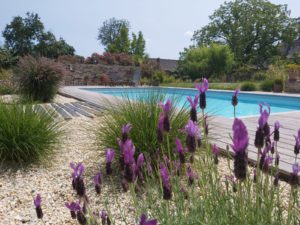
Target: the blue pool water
pixel 218 102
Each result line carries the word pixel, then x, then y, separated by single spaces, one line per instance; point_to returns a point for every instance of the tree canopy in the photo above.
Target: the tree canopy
pixel 27 35
pixel 215 60
pixel 114 36
pixel 253 29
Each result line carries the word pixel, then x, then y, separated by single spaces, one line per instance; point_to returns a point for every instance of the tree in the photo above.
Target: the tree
pixel 114 35
pixel 121 43
pixel 110 31
pixel 140 45
pixel 24 36
pixel 215 60
pixel 252 29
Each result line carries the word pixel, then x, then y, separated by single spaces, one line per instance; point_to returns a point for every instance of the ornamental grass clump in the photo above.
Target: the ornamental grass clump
pixel 26 136
pixel 39 78
pixel 143 113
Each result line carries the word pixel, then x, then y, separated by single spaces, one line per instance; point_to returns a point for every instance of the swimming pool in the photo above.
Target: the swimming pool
pixel 218 102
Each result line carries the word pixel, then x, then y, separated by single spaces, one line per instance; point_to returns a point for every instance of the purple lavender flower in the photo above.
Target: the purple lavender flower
pixel 77 182
pixel 215 152
pixel 294 175
pixel 166 109
pixel 193 134
pixel 37 203
pixel 234 100
pixel 125 131
pixel 267 162
pixel 130 167
pixel 105 218
pixel 167 188
pixel 264 115
pixel 193 103
pixel 74 208
pixel 125 185
pixel 144 221
pixel 160 128
pixel 110 154
pixel 202 89
pixel 297 144
pixel 276 131
pixel 263 130
pixel 240 144
pixel 277 159
pixel 128 152
pixel 180 150
pixel 97 182
pixel 191 175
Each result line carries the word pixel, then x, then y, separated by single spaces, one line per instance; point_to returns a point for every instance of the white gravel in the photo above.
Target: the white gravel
pixel 53 182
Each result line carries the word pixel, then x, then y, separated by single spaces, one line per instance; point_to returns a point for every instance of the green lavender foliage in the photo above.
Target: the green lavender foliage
pixel 214 200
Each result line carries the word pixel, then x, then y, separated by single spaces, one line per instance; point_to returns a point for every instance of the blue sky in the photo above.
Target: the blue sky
pixel 167 25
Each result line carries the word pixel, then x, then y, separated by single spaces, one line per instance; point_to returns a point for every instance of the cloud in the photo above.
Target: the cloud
pixel 188 33
pixel 147 39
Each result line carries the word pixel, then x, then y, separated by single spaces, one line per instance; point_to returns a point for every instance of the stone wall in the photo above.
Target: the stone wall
pixel 292 87
pixel 89 74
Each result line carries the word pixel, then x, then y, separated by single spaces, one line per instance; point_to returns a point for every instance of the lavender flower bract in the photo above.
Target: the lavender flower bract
pixel 202 89
pixel 110 154
pixel 125 130
pixel 240 144
pixel 294 175
pixel 193 104
pixel 77 182
pixel 297 144
pixel 276 131
pixel 180 150
pixel 97 182
pixel 215 152
pixel 193 134
pixel 37 203
pixel 144 221
pixel 234 99
pixel 74 208
pixel 167 188
pixel 166 109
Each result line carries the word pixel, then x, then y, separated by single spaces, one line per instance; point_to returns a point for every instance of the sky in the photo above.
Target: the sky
pixel 167 25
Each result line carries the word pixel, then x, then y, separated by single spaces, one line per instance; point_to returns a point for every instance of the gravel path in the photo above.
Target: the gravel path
pixel 53 182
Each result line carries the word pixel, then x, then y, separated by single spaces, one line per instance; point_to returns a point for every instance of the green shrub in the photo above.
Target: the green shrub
pixel 26 136
pixel 259 76
pixel 278 82
pixel 158 76
pixel 39 78
pixel 143 114
pixel 267 85
pixel 248 86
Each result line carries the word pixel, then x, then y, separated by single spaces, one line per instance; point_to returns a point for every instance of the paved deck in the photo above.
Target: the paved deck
pixel 69 110
pixel 220 128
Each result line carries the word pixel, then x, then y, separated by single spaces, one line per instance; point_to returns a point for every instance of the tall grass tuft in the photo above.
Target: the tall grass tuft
pixel 25 135
pixel 143 114
pixel 39 78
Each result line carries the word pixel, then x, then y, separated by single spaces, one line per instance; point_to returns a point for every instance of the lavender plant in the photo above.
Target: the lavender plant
pixel 184 193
